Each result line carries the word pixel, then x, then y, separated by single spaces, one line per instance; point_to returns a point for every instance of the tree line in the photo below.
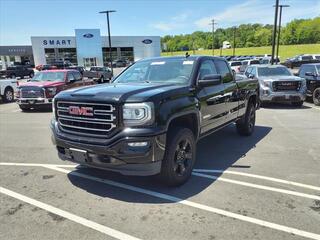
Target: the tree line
pixel 298 31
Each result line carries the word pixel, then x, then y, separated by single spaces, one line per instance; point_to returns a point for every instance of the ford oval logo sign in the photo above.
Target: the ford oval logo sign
pixel 147 41
pixel 88 35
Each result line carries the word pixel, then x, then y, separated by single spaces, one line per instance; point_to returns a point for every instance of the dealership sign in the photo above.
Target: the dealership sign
pixel 88 35
pixel 147 41
pixel 63 42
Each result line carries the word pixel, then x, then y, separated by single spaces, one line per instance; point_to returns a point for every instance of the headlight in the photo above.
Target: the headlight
pixel 52 90
pixel 136 114
pixel 267 84
pixel 53 109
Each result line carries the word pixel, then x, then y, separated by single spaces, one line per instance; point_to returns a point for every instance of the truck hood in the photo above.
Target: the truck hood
pixel 281 78
pixel 42 84
pixel 122 92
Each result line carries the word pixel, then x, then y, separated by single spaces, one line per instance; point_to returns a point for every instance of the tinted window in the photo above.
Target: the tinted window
pixel 248 71
pixel 245 63
pixel 77 75
pixel 255 62
pixel 306 58
pixel 207 67
pixel 223 69
pixel 235 64
pixel 307 69
pixel 70 77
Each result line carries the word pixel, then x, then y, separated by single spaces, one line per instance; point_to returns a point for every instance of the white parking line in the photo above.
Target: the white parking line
pixel 193 204
pixel 279 190
pixel 259 177
pixel 83 221
pixel 197 173
pixel 36 164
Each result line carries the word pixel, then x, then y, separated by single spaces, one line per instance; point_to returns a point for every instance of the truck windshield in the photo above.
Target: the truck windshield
pixel 48 76
pixel 176 71
pixel 273 71
pixel 318 67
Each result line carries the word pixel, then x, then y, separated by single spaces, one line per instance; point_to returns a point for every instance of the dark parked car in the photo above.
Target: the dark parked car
pixel 149 119
pixel 311 72
pixel 17 71
pixel 297 61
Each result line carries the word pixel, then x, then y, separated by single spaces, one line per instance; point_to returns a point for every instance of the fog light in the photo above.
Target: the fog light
pixel 137 144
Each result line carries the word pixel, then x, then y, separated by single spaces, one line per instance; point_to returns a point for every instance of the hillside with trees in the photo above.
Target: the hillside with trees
pixel 298 31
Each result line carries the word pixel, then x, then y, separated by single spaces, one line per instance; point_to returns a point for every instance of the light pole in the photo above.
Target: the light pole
pixel 279 30
pixel 109 36
pixel 213 23
pixel 234 41
pixel 274 31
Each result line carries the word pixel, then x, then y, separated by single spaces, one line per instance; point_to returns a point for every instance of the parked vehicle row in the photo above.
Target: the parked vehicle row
pixel 297 61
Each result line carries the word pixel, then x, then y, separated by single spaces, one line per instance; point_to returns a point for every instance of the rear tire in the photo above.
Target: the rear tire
pixel 179 157
pixel 245 125
pixel 316 96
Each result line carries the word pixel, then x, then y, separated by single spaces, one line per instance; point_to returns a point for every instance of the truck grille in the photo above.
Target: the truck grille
pixel 31 92
pixel 94 119
pixel 286 86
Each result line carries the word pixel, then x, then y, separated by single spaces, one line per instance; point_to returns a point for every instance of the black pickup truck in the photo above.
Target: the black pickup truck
pixel 17 71
pixel 149 119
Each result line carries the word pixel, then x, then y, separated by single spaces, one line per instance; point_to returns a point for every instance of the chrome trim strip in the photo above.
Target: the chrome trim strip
pixel 112 108
pixel 82 120
pixel 90 129
pixel 112 118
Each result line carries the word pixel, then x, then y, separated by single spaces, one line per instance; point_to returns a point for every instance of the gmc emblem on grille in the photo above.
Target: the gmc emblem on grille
pixel 82 111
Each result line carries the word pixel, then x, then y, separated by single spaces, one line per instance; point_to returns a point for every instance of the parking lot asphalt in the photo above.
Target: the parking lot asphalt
pixel 266 186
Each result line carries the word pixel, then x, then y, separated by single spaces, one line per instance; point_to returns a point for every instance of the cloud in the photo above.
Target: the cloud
pixel 175 22
pixel 259 11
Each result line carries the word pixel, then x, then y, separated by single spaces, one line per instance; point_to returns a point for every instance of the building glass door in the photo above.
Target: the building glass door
pixel 89 62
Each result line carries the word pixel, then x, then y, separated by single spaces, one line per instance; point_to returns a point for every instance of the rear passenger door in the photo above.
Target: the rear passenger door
pixel 211 99
pixel 230 90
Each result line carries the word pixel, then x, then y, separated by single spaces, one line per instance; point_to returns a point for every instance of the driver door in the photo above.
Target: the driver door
pixel 211 99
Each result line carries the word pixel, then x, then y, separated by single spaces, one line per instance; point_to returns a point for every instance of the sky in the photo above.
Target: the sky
pixel 21 19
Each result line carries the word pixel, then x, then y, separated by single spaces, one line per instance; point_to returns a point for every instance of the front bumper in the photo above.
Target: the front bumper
pixel 113 154
pixel 35 101
pixel 267 95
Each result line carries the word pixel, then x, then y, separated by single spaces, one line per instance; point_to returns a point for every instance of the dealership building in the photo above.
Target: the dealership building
pixel 86 48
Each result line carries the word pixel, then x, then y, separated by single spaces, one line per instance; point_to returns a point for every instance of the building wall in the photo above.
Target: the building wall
pixel 92 46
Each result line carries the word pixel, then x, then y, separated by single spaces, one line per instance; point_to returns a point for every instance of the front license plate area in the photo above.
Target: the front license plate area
pixel 31 101
pixel 78 155
pixel 287 97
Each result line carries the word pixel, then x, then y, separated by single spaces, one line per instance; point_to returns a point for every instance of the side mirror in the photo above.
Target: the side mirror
pixel 251 76
pixel 310 74
pixel 210 80
pixel 296 74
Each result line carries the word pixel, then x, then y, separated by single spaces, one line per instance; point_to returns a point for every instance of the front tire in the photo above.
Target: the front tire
pixel 316 96
pixel 179 157
pixel 245 125
pixel 8 95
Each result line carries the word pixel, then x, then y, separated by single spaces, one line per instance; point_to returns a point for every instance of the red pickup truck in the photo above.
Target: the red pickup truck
pixel 40 90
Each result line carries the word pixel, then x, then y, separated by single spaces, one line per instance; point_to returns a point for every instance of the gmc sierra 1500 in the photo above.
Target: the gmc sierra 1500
pixel 148 120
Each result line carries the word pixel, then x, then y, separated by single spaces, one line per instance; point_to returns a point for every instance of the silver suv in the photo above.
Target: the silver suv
pixel 278 84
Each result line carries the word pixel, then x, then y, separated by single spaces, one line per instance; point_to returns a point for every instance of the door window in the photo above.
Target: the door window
pixel 224 71
pixel 248 71
pixel 70 77
pixel 207 67
pixel 77 76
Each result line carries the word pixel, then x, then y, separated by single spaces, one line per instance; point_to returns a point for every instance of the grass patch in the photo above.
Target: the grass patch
pixel 285 51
